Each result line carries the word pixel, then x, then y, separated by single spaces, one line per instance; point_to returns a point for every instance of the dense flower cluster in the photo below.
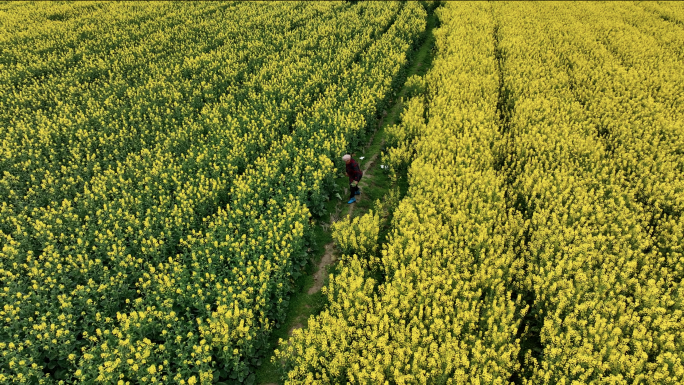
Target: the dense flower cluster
pixel 593 158
pixel 541 237
pixel 359 238
pixel 158 161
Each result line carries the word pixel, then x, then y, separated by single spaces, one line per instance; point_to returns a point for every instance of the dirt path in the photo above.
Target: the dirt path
pixel 369 163
pixel 319 278
pixel 321 271
pixel 329 257
pixel 422 62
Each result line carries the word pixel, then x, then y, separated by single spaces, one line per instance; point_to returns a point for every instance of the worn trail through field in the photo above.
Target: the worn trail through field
pixel 370 182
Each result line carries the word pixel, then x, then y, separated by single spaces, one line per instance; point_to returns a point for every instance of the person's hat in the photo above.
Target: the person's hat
pixel 346 157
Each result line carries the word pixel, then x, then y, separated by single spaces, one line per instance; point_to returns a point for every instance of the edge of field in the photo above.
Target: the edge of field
pixel 307 299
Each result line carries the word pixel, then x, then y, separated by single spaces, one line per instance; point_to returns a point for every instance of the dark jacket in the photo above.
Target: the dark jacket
pixel 354 171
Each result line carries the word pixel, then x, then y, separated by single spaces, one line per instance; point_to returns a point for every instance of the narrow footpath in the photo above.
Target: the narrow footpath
pixel 308 300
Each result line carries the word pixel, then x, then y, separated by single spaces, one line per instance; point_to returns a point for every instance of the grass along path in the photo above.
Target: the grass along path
pixel 376 184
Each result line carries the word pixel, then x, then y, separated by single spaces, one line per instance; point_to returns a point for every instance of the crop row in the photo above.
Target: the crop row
pixel 603 303
pixel 540 239
pixel 166 101
pixel 174 263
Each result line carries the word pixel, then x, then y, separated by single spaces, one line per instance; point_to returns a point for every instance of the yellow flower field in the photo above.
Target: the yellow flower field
pixel 540 241
pixel 159 162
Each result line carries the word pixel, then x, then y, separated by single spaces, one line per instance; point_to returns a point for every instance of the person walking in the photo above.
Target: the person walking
pixel 354 173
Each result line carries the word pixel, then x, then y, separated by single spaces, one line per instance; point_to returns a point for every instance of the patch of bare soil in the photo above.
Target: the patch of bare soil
pixel 294 327
pixel 321 271
pixel 370 163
